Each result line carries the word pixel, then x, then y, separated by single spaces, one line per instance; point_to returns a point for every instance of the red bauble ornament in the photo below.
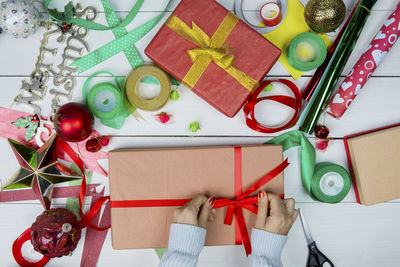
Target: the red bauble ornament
pixel 73 122
pixel 321 131
pixel 55 233
pixel 93 145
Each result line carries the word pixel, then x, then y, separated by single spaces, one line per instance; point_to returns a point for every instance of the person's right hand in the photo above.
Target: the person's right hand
pixel 275 215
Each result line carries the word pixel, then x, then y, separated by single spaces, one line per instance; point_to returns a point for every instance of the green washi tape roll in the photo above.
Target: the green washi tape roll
pixel 331 182
pixel 107 101
pixel 307 51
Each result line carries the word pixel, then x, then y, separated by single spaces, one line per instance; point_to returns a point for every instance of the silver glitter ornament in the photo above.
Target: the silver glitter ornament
pixel 19 18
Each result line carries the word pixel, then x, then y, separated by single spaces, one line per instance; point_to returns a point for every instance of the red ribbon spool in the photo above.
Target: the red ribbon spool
pixel 267 8
pixel 291 102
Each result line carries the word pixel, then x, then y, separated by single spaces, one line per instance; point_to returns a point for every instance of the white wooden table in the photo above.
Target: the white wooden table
pixel 350 234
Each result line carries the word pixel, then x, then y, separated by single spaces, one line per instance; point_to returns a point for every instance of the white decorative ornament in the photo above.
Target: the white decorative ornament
pixel 380 35
pixel 378 56
pixel 337 99
pixel 346 86
pixel 19 18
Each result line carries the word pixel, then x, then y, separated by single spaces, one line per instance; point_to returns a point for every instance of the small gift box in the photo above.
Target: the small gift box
pixel 214 53
pixel 373 161
pixel 146 186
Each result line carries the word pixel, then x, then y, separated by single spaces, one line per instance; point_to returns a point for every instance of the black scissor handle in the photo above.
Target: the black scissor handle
pixel 316 258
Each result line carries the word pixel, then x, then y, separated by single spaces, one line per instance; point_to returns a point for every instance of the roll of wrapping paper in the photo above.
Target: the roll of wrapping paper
pixel 335 66
pixel 312 84
pixel 132 87
pixel 366 65
pixel 107 101
pixel 325 181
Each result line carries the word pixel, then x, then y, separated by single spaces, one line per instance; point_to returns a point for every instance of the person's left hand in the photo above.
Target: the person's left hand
pixel 196 212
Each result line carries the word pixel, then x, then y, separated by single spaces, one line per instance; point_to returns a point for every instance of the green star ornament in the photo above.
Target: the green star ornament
pixel 39 170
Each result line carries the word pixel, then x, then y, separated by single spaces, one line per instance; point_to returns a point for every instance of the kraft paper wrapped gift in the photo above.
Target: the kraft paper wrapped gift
pixel 199 58
pixel 168 174
pixel 374 158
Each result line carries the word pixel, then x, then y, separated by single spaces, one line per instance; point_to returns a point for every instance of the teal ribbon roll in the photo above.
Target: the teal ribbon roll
pixel 325 182
pixel 316 44
pixel 107 101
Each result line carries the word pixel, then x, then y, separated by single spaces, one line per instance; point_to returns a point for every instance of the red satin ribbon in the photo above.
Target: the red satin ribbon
pixel 85 219
pixel 234 207
pixel 291 102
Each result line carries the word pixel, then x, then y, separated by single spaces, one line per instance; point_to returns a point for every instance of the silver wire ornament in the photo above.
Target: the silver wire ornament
pixel 33 91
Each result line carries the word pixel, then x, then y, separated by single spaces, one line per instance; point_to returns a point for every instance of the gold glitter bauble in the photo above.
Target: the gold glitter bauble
pixel 324 15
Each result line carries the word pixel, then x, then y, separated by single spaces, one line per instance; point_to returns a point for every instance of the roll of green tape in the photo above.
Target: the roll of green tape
pixel 105 100
pixel 307 51
pixel 330 183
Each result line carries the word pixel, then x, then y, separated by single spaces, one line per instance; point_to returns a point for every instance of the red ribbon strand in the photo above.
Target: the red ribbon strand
pixel 85 219
pixel 294 103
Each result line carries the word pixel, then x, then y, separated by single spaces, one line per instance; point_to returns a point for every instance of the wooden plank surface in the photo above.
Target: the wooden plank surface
pixel 350 234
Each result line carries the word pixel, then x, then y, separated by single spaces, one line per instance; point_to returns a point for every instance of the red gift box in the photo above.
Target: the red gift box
pixel 253 55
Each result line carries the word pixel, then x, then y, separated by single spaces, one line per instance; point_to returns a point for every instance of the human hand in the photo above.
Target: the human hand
pixel 196 212
pixel 275 215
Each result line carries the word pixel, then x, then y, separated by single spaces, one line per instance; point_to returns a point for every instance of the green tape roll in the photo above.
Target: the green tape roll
pixel 330 182
pixel 309 41
pixel 105 101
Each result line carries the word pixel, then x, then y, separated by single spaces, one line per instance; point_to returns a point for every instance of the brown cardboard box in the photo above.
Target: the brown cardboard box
pixel 375 162
pixel 181 174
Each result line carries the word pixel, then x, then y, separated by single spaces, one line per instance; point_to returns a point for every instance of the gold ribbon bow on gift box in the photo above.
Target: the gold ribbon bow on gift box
pixel 210 49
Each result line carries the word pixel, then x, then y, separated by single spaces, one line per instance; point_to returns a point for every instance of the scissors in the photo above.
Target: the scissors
pixel 315 257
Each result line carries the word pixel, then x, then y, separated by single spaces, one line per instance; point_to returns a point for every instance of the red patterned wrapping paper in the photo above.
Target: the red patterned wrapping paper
pixel 254 55
pixel 366 65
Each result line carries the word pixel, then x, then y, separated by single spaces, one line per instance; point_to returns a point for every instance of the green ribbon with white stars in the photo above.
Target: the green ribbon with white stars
pixel 125 40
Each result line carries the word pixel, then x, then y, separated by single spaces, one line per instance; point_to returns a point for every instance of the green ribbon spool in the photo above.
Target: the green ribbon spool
pixel 330 182
pixel 325 181
pixel 317 45
pixel 107 101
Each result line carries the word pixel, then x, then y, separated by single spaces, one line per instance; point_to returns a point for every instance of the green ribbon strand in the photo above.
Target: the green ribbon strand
pixel 312 173
pixel 131 53
pixel 55 15
pixel 125 41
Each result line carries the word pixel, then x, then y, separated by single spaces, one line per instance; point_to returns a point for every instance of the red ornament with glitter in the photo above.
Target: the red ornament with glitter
pixel 73 122
pixel 55 233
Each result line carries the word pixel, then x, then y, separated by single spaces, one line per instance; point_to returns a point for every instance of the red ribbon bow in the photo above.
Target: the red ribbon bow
pixel 243 200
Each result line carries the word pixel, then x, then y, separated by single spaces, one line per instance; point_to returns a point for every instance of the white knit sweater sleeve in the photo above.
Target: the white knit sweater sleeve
pixel 187 241
pixel 266 248
pixel 184 246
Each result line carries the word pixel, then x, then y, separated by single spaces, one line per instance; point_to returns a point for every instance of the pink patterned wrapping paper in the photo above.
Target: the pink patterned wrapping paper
pixel 366 65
